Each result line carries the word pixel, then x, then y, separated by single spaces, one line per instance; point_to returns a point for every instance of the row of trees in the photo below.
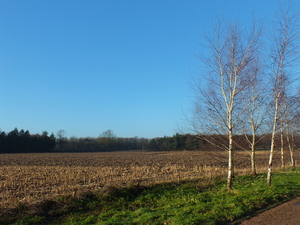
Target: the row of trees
pixel 107 141
pixel 22 141
pixel 247 85
pixel 199 142
pixel 175 143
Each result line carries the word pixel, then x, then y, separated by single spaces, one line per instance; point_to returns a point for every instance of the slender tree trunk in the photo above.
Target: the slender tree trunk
pixel 269 179
pixel 292 151
pixel 269 176
pixel 282 147
pixel 253 145
pixel 230 163
pixel 291 148
pixel 230 152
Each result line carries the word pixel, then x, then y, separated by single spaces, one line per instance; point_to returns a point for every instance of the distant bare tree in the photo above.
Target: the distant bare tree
pixel 107 139
pixel 61 139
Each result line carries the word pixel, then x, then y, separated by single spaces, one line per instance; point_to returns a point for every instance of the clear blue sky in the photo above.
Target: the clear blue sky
pixel 90 66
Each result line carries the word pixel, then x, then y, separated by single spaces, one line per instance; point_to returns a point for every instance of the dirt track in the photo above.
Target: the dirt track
pixel 284 214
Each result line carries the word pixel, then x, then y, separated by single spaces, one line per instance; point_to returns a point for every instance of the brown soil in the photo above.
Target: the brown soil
pixel 284 214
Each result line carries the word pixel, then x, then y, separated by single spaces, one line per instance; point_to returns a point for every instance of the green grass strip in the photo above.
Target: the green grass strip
pixel 189 202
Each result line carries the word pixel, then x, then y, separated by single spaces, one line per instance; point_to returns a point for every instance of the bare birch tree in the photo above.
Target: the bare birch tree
pixel 219 104
pixel 255 113
pixel 284 54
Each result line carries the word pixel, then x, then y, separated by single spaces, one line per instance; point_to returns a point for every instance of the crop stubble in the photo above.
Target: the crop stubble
pixel 31 178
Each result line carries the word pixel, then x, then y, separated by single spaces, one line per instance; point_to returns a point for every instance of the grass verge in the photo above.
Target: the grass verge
pixel 187 202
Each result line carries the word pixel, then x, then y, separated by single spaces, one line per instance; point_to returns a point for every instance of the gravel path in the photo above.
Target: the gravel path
pixel 284 214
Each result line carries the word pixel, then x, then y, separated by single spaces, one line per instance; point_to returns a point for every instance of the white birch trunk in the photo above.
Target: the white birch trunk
pixel 291 147
pixel 230 153
pixel 282 147
pixel 269 176
pixel 253 163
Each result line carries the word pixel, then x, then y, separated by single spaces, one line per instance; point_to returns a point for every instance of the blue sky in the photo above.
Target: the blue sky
pixel 90 66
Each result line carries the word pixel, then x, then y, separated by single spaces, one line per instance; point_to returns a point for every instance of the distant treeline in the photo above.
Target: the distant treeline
pixel 204 142
pixel 22 142
pixel 102 144
pixel 177 142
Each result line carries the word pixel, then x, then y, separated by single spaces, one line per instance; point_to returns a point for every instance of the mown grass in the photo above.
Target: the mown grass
pixel 187 202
